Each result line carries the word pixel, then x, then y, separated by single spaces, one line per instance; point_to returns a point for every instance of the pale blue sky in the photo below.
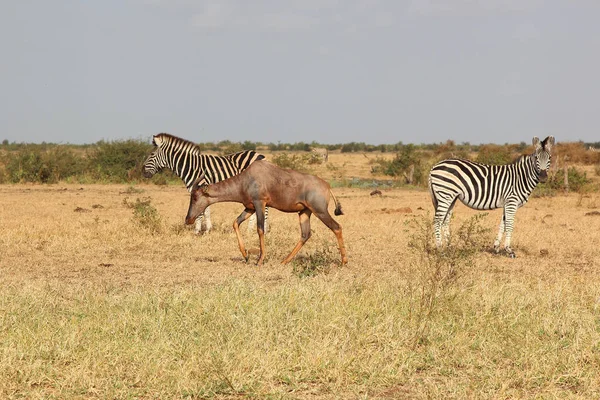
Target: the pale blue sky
pixel 334 71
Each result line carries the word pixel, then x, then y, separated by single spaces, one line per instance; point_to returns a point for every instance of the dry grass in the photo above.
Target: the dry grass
pixel 93 305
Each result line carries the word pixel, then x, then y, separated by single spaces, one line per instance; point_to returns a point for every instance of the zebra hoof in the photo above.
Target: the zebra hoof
pixel 511 254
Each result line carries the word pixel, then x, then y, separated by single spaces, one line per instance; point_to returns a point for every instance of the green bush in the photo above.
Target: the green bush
pixel 298 162
pixel 401 165
pixel 578 180
pixel 493 154
pixel 118 161
pixel 36 163
pixel 578 183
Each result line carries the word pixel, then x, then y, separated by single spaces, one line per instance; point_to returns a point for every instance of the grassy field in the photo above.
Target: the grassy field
pixel 98 303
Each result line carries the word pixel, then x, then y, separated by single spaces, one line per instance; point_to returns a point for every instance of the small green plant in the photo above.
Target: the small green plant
pixel 437 273
pixel 319 262
pixel 132 190
pixel 145 214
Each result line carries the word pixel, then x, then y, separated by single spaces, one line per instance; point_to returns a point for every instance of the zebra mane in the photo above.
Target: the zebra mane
pixel 179 142
pixel 519 158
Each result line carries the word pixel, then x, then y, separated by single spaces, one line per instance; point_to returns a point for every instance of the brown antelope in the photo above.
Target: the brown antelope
pixel 262 185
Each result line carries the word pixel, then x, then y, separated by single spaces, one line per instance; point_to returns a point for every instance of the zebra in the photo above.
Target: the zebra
pixel 185 160
pixel 487 187
pixel 321 152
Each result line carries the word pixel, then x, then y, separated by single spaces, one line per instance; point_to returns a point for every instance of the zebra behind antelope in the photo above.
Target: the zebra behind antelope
pixel 487 187
pixel 321 152
pixel 186 161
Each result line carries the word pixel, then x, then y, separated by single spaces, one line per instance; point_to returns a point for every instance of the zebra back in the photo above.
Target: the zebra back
pixel 185 159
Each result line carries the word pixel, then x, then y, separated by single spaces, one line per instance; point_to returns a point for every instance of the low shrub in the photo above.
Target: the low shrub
pixel 145 215
pixel 118 161
pixel 493 154
pixel 319 262
pixel 298 162
pixel 407 164
pixel 438 274
pixel 34 163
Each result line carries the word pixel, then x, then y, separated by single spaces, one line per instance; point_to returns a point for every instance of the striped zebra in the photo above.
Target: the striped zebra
pixel 487 187
pixel 321 152
pixel 185 160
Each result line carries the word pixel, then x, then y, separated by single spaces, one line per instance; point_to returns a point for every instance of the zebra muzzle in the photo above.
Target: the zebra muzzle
pixel 543 176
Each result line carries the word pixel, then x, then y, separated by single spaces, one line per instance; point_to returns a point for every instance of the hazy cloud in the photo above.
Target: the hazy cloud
pixel 471 8
pixel 291 16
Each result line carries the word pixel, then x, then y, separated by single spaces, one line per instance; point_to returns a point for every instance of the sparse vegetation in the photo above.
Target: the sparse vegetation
pixel 578 183
pixel 120 161
pixel 299 162
pixel 437 274
pixel 319 262
pixel 145 214
pixel 406 164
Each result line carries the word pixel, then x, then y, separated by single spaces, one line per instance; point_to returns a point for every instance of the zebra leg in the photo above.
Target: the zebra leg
pixel 198 224
pixel 500 233
pixel 203 224
pixel 266 219
pixel 509 212
pixel 446 223
pixel 207 221
pixel 441 220
pixel 252 221
pixel 438 220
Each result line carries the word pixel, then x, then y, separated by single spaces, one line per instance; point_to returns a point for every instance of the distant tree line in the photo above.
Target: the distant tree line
pixel 121 161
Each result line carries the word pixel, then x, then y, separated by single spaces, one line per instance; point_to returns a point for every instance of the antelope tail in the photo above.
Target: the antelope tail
pixel 338 205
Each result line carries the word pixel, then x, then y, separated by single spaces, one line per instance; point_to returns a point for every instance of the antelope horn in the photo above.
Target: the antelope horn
pixel 197 181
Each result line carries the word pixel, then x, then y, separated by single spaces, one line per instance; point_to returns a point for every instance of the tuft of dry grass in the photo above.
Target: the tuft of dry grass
pixel 93 305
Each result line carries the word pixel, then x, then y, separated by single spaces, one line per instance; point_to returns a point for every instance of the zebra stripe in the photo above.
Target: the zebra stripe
pixel 487 187
pixel 184 158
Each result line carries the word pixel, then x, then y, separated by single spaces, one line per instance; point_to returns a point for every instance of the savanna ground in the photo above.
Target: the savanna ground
pixel 98 303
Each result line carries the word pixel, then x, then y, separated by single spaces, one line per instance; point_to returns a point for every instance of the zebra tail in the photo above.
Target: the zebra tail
pixel 338 205
pixel 433 197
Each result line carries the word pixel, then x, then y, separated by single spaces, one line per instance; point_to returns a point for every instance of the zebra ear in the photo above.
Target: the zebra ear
pixel 536 141
pixel 549 142
pixel 156 140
